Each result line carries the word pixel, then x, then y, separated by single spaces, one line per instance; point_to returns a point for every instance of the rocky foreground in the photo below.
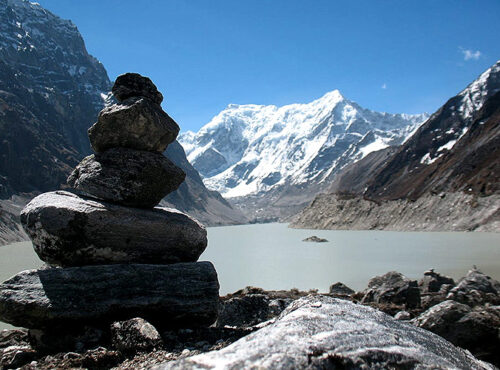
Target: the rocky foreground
pixel 391 323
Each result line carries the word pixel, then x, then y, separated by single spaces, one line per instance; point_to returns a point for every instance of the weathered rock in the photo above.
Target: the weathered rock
pixel 13 337
pixel 433 281
pixel 134 335
pixel 403 315
pixel 68 230
pixel 243 311
pixel 136 123
pixel 476 288
pixel 182 294
pixel 393 287
pixel 129 177
pixel 430 299
pixel 474 329
pixel 131 85
pixel 340 289
pixel 277 306
pixel 14 357
pixel 323 332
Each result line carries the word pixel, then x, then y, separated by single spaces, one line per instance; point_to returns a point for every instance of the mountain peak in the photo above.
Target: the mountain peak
pixel 332 96
pixel 248 149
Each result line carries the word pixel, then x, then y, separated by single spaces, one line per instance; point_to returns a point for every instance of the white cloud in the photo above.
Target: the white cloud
pixel 384 86
pixel 470 54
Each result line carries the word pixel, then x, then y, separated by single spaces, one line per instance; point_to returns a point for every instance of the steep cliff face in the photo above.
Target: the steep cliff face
pixel 50 92
pixel 444 177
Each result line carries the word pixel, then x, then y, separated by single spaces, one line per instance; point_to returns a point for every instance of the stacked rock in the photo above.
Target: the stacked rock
pixel 121 256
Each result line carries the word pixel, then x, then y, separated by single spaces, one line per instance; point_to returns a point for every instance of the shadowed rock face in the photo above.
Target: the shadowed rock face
pixel 392 287
pixel 128 177
pixel 131 85
pixel 182 294
pixel 68 230
pixel 321 332
pixel 136 123
pixel 51 91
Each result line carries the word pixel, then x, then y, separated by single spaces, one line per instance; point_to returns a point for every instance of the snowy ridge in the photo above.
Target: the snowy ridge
pixel 474 95
pixel 250 149
pixel 468 102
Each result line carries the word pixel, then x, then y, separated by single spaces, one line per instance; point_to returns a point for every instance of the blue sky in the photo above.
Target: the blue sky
pixel 396 56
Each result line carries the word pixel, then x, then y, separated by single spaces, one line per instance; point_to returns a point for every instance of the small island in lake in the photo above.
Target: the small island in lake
pixel 315 239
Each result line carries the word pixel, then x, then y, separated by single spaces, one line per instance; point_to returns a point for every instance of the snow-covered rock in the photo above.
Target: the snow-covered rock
pixel 252 149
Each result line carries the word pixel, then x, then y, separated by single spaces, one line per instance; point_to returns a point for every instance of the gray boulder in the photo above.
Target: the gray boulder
pixel 340 289
pixel 247 310
pixel 135 335
pixel 322 332
pixel 68 230
pixel 433 281
pixel 131 85
pixel 392 287
pixel 135 123
pixel 476 288
pixel 129 177
pixel 475 329
pixel 177 295
pixel 402 315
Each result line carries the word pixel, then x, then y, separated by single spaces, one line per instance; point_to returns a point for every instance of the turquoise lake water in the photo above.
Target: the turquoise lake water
pixel 272 256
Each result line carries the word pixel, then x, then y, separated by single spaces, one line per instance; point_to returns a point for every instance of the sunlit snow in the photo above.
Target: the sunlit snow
pixel 265 146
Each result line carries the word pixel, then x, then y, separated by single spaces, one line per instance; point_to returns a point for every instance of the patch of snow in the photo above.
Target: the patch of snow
pixel 426 159
pixel 448 146
pixel 378 144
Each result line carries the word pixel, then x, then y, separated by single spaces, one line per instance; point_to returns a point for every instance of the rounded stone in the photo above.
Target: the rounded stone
pixel 136 123
pixel 131 85
pixel 128 177
pixel 68 230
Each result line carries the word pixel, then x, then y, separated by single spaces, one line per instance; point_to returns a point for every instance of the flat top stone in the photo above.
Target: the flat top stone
pixel 184 294
pixel 131 85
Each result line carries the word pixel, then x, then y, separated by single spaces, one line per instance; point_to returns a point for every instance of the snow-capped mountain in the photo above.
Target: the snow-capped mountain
pixel 254 149
pixel 446 176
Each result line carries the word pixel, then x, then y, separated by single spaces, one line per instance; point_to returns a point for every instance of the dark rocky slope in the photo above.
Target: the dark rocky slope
pixel 445 177
pixel 51 90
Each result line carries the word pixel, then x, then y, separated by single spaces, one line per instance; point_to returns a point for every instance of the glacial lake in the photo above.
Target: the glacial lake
pixel 272 256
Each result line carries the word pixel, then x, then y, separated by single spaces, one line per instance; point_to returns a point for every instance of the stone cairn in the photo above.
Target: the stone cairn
pixel 111 254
